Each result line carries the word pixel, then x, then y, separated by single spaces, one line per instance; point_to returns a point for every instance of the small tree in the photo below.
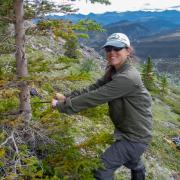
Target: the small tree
pixel 148 74
pixel 163 84
pixel 19 136
pixel 71 48
pixel 21 61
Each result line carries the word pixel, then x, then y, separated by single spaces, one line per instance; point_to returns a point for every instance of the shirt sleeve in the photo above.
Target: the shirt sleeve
pixel 119 86
pixel 92 87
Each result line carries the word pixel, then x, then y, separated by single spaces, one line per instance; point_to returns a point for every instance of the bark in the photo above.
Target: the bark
pixel 21 61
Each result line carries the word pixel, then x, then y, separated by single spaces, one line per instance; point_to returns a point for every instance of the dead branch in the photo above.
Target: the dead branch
pixel 18 160
pixel 7 19
pixel 5 142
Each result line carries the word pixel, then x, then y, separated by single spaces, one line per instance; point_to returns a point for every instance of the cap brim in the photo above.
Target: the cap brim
pixel 115 44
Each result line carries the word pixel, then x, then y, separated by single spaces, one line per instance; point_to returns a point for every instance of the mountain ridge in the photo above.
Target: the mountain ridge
pixel 110 17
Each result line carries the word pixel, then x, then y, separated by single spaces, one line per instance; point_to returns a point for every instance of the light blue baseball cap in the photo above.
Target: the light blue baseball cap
pixel 117 40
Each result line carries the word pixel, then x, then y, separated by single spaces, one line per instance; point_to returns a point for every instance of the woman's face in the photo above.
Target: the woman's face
pixel 117 57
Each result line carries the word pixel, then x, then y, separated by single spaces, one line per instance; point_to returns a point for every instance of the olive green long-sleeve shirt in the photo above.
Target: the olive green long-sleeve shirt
pixel 129 103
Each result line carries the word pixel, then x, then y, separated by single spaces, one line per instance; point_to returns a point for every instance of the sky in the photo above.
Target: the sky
pixel 124 5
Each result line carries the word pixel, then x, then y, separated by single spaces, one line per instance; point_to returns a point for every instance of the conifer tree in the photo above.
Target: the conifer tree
pixel 79 31
pixel 163 84
pixel 18 137
pixel 71 46
pixel 21 61
pixel 148 74
pixel 26 10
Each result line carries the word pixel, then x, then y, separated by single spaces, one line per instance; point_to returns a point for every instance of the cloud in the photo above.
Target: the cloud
pixel 147 4
pixel 174 7
pixel 86 7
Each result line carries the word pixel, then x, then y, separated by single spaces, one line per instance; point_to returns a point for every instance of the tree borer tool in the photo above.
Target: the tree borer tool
pixel 34 93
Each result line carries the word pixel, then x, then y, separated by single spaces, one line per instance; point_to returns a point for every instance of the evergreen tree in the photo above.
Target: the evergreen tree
pixel 163 84
pixel 23 141
pixel 148 76
pixel 79 31
pixel 21 61
pixel 71 47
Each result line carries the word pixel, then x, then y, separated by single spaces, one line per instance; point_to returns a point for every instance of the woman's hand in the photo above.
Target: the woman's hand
pixel 58 97
pixel 54 103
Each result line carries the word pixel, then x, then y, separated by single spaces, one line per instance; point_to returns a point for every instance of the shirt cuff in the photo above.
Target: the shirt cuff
pixel 65 107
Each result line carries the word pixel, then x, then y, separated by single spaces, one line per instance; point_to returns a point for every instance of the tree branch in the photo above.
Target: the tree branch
pixel 7 139
pixel 7 19
pixel 17 162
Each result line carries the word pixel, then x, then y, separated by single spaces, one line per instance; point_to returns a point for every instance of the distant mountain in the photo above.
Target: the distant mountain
pixel 159 46
pixel 145 22
pixel 146 42
pixel 111 17
pixel 134 30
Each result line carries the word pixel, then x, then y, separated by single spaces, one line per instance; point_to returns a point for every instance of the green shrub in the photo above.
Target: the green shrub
pixel 48 87
pixel 78 76
pixel 71 48
pixel 176 110
pixel 176 90
pixel 67 60
pixel 96 112
pixel 8 104
pixel 38 64
pixel 7 68
pixel 173 104
pixel 87 66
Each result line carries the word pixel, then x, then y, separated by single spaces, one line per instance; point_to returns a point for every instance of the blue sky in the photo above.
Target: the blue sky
pixel 124 5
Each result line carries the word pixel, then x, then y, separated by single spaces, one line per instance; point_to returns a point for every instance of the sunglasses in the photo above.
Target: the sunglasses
pixel 110 48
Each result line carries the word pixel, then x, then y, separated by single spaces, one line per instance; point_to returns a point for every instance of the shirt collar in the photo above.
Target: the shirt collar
pixel 124 66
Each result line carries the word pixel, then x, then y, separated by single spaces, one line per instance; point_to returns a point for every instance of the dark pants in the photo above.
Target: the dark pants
pixel 120 153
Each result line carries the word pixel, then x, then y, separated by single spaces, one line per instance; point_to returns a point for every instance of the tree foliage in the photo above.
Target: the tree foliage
pixel 5 7
pixel 163 84
pixel 152 80
pixel 70 32
pixel 26 146
pixel 148 75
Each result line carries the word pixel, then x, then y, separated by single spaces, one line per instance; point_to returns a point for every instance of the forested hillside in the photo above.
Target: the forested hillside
pixel 41 143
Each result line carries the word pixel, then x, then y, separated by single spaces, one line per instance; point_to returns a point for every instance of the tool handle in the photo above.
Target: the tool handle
pixel 41 102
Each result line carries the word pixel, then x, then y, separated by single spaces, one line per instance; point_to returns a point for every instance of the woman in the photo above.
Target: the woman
pixel 129 108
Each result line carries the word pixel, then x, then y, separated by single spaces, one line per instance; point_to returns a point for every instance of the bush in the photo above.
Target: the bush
pixel 87 66
pixel 71 48
pixel 7 68
pixel 78 76
pixel 67 60
pixel 7 105
pixel 39 64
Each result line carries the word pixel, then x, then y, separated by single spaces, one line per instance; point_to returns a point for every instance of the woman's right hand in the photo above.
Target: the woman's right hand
pixel 60 97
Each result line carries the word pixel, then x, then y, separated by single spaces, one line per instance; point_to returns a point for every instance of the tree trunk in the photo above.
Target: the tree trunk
pixel 21 61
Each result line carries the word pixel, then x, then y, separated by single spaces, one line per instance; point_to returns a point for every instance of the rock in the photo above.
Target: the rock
pixel 169 124
pixel 176 175
pixel 155 170
pixel 90 53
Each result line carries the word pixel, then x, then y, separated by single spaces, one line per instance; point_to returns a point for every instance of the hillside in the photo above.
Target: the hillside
pixel 76 142
pixel 159 46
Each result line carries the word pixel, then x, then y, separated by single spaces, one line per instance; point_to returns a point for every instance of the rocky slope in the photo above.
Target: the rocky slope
pixel 161 159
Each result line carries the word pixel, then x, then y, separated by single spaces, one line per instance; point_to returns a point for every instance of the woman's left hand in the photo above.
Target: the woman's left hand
pixel 54 103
